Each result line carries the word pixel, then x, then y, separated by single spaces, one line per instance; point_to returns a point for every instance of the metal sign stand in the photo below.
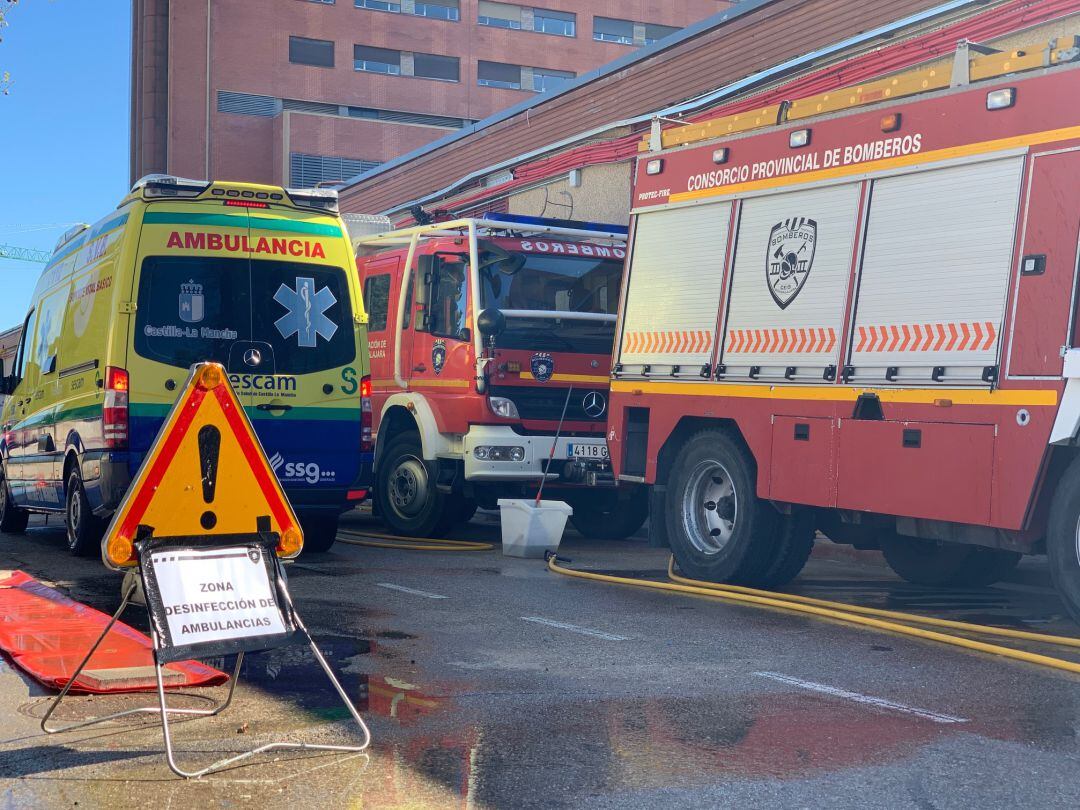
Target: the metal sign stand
pixel 134 594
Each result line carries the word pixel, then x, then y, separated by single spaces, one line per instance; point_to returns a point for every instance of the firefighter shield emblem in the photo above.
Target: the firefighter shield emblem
pixel 438 356
pixel 192 308
pixel 542 366
pixel 790 257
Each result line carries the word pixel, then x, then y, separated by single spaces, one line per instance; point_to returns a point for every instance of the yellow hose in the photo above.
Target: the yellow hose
pixel 375 540
pixel 835 611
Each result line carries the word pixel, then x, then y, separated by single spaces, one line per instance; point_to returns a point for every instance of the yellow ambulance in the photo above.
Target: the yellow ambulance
pixel 259 278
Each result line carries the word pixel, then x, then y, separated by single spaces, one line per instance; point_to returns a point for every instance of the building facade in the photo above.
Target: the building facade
pixel 299 92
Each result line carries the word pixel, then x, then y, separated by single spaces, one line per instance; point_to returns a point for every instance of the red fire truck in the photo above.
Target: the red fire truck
pixel 484 334
pixel 856 313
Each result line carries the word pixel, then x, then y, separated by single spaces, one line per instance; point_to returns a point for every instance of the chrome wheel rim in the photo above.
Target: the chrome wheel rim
pixel 710 507
pixel 408 488
pixel 74 516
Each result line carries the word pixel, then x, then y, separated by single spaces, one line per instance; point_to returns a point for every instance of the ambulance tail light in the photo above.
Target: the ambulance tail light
pixel 114 414
pixel 366 442
pixel 319 199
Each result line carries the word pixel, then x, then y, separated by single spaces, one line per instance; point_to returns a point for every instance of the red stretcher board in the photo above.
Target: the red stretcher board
pixel 47 634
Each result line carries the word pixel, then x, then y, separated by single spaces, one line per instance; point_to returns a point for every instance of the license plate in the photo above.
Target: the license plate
pixel 588 451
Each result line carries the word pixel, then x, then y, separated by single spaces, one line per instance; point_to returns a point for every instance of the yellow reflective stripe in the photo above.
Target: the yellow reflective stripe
pixel 952 152
pixel 824 393
pixel 448 383
pixel 581 378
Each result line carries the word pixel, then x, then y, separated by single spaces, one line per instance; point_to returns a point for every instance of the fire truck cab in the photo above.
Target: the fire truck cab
pixel 883 282
pixel 488 337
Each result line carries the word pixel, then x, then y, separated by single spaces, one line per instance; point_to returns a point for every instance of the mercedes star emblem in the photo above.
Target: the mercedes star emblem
pixel 253 357
pixel 594 405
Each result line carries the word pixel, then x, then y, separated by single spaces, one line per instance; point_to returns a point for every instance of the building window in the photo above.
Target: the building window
pixel 438 9
pixel 432 66
pixel 546 80
pixel 559 23
pixel 655 33
pixel 306 171
pixel 318 52
pixel 499 15
pixel 376 60
pixel 497 74
pixel 379 5
pixel 606 29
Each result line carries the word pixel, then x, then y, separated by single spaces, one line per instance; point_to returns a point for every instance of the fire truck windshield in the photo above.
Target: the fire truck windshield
pixel 546 283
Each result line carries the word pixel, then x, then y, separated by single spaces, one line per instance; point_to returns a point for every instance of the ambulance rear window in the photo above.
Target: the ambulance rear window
pixel 191 308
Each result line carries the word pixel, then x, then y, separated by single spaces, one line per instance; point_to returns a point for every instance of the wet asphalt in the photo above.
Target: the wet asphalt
pixel 490 682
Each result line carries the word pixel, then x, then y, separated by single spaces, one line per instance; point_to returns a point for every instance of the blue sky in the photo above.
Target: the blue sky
pixel 64 156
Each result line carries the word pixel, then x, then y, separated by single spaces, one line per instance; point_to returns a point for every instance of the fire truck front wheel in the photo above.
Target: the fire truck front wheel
pixel 1063 540
pixel 718 529
pixel 409 502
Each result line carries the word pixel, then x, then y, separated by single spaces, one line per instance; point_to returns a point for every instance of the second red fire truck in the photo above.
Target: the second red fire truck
pixel 486 334
pixel 857 313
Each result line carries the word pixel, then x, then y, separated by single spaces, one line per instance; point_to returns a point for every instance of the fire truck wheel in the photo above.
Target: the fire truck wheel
pixel 987 566
pixel 409 502
pixel 602 516
pixel 12 519
pixel 925 562
pixel 719 530
pixel 320 532
pixel 792 551
pixel 1063 540
pixel 463 509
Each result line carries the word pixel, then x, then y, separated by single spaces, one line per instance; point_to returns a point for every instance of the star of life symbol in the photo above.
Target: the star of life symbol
pixel 306 312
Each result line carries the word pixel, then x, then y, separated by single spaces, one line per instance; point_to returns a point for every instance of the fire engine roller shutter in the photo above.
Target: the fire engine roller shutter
pixel 935 271
pixel 676 272
pixel 792 267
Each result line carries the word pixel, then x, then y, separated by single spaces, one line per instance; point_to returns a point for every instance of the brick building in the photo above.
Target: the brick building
pixel 297 92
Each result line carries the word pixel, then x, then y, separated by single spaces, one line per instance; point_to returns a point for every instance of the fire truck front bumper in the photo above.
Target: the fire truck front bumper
pixel 496 453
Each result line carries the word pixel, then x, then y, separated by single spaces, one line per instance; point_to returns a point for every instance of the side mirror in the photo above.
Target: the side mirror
pixel 491 323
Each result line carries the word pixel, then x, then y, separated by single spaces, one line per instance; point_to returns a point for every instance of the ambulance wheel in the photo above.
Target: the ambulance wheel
pixel 1063 540
pixel 718 529
pixel 320 532
pixel 84 528
pixel 602 516
pixel 795 541
pixel 13 520
pixel 409 502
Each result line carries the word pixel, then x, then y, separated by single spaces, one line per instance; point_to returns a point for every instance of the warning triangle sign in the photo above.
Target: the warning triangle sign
pixel 205 475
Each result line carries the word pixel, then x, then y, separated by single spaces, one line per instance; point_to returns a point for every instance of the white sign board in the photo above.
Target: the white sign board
pixel 216 594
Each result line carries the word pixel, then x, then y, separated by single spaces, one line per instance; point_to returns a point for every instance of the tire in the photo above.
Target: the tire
pixel 603 516
pixel 320 532
pixel 463 508
pixel 792 551
pixel 84 528
pixel 988 565
pixel 13 520
pixel 938 563
pixel 718 529
pixel 409 503
pixel 1063 540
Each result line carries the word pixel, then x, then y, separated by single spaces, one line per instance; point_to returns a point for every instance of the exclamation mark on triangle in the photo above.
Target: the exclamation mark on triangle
pixel 209 448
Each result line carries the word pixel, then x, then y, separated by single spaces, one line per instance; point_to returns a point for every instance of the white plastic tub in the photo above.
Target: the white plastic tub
pixel 529 530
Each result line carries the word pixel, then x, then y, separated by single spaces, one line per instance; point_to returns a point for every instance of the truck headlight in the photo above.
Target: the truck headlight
pixel 501 406
pixel 499 452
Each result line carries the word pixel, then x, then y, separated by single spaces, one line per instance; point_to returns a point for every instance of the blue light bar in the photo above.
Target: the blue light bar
pixel 519 219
